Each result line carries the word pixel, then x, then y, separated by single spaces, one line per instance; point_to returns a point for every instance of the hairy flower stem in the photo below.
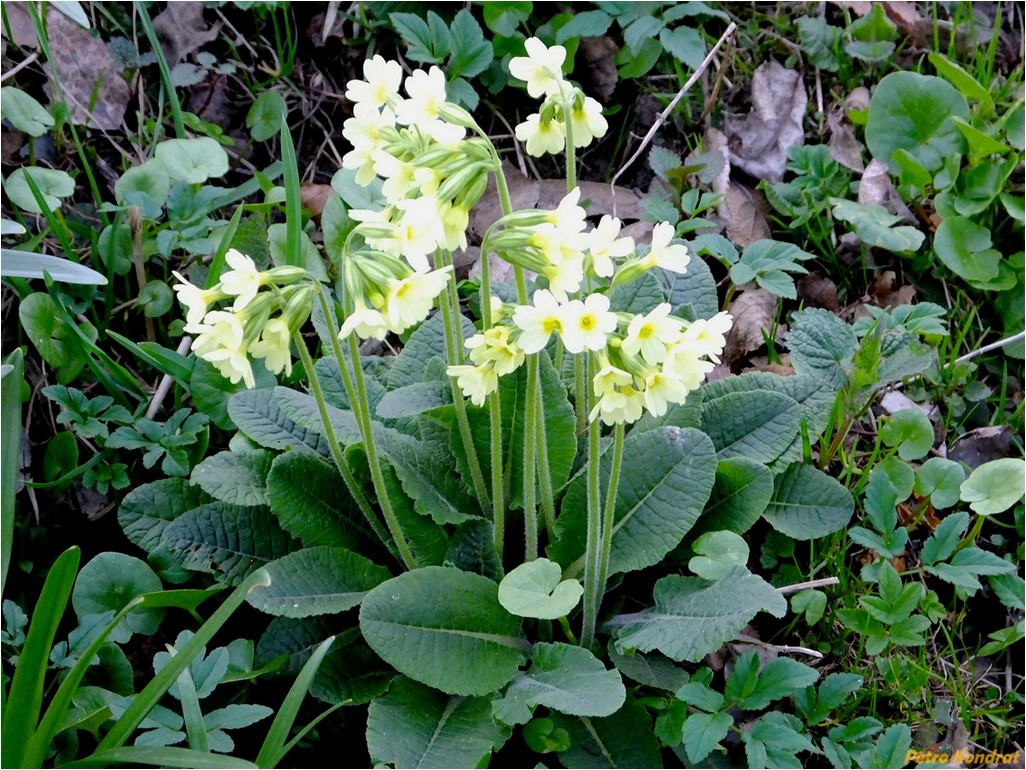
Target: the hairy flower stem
pixel 336 449
pixel 592 553
pixel 450 315
pixel 356 392
pixel 547 500
pixel 609 514
pixel 530 461
pixel 580 394
pixel 571 151
pixel 494 413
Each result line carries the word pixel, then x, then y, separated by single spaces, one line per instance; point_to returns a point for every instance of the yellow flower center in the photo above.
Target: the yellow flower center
pixel 645 332
pixel 588 322
pixel 552 324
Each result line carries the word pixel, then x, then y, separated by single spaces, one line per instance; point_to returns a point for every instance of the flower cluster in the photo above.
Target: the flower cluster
pixel 432 174
pixel 563 106
pixel 645 362
pixel 259 324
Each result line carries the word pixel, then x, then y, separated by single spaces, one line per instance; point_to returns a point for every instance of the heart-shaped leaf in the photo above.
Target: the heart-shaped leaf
pixel 533 590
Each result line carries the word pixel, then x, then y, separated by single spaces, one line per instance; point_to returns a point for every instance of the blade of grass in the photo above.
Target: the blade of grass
pixel 154 691
pixel 10 453
pixel 21 712
pixel 293 201
pixel 191 712
pixel 165 72
pixel 217 264
pixel 160 756
pixel 164 360
pixel 273 749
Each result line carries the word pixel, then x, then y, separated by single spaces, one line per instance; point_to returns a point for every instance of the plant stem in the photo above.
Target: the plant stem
pixel 580 394
pixel 547 501
pixel 494 409
pixel 455 357
pixel 571 151
pixel 592 556
pixel 336 449
pixel 609 513
pixel 530 461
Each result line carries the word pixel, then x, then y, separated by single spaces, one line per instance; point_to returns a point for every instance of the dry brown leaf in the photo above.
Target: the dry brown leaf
pixel 743 211
pixel 819 291
pixel 640 231
pixel 182 30
pixel 86 70
pixel 883 292
pixel 858 99
pixel 843 146
pixel 858 7
pixel 875 187
pixel 600 68
pixel 314 197
pixel 601 198
pixel 982 445
pixel 753 312
pixel 759 141
pixel 23 31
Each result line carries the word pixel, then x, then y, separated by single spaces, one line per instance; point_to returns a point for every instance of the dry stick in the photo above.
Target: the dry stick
pixel 669 108
pixel 165 383
pixel 783 648
pixel 19 67
pixel 968 356
pixel 830 581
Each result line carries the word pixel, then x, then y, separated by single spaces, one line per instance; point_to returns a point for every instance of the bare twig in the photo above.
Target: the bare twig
pixel 783 648
pixel 19 66
pixel 830 581
pixel 992 346
pixel 669 108
pixel 165 383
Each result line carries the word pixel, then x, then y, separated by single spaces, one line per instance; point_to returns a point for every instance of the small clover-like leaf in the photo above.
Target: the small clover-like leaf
pixel 911 432
pixel 718 553
pixel 533 590
pixel 994 486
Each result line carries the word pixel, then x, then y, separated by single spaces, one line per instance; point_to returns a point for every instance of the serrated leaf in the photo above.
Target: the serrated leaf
pixel 665 480
pixel 149 508
pixel 684 44
pixel 808 504
pixel 780 678
pixel 757 424
pixel 693 617
pixel 471 53
pixel 316 581
pixel 563 678
pixel 775 740
pixel 416 727
pixel 534 590
pixel 311 502
pixel 821 344
pixel 703 733
pixel 741 492
pixel 968 564
pixel 226 540
pixel 237 478
pixel 944 539
pixel 423 621
pixel 585 24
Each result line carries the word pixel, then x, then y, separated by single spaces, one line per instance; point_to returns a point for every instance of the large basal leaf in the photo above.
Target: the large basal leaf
pixel 910 111
pixel 258 416
pixel 624 739
pixel 741 492
pixel 428 477
pixel 316 581
pixel 428 540
pixel 564 678
pixel 237 478
pixel 414 726
pixel 665 481
pixel 692 294
pixel 638 297
pixel 311 502
pixel 808 504
pixel 758 424
pixel 227 540
pixel 211 392
pixel 693 617
pixel 350 673
pixel 446 629
pixel 414 399
pixel 303 411
pixel 653 668
pixel 424 344
pixel 148 509
pixel 686 415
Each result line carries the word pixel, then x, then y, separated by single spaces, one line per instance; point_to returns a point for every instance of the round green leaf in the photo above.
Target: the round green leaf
pixel 808 504
pixel 61 456
pixel 941 481
pixel 193 160
pixel 718 553
pixel 107 583
pixel 316 581
pixel 155 298
pixel 52 183
pixel 265 116
pixel 910 111
pixel 446 629
pixel 995 486
pixel 965 248
pixel 146 186
pixel 910 431
pixel 115 248
pixel 534 590
pixel 55 342
pixel 24 112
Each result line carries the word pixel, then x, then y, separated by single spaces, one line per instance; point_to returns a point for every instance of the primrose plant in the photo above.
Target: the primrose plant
pixel 429 460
